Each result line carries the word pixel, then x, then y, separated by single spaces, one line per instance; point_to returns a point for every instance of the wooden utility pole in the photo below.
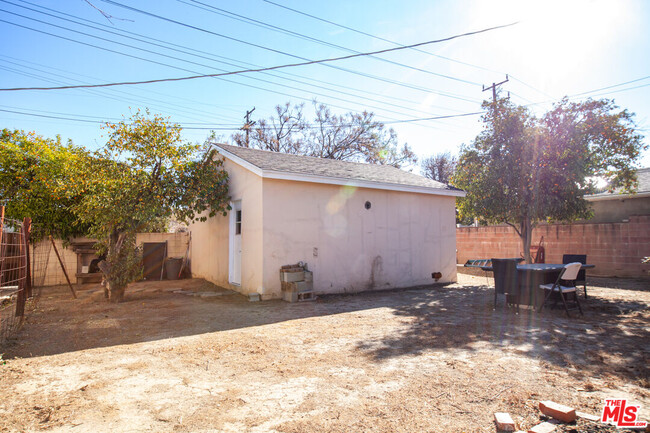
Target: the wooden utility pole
pixel 494 89
pixel 248 125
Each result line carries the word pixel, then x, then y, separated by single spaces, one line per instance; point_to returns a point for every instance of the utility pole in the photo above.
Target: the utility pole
pixel 248 125
pixel 494 90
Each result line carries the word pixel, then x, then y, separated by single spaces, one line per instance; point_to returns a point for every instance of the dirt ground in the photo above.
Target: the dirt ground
pixel 431 359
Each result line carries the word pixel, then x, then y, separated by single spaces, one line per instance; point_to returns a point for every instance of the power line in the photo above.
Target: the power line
pixel 168 65
pixel 396 82
pixel 615 85
pixel 270 68
pixel 575 95
pixel 77 118
pixel 213 56
pixel 131 97
pixel 238 17
pixel 399 44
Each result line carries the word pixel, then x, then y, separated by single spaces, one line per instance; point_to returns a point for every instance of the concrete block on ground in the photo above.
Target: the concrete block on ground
pixel 304 286
pixel 254 297
pixel 557 411
pixel 504 422
pixel 545 427
pixel 290 296
pixel 306 296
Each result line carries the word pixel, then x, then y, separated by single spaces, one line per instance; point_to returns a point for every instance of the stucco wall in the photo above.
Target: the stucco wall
pixel 398 242
pixel 210 241
pixel 619 210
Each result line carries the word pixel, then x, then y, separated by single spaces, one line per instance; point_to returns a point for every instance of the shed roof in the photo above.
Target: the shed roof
pixel 643 190
pixel 277 165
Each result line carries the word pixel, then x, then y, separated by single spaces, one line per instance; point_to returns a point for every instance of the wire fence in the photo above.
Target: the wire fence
pixel 23 267
pixel 15 286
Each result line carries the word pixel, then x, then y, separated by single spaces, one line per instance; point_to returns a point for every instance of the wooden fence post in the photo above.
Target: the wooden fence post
pixel 74 294
pixel 27 230
pixel 20 299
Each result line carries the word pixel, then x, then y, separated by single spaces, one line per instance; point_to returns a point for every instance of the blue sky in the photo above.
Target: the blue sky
pixel 556 49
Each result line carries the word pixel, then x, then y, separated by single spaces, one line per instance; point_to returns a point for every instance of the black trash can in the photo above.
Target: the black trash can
pixel 173 267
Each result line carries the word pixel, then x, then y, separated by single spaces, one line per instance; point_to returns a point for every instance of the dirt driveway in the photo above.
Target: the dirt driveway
pixel 433 359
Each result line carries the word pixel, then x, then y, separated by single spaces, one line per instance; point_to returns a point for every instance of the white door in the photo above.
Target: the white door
pixel 235 243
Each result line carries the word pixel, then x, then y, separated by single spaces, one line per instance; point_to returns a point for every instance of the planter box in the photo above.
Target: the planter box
pixel 290 277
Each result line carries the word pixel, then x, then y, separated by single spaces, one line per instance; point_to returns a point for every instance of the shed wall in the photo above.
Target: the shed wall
pixel 398 242
pixel 210 239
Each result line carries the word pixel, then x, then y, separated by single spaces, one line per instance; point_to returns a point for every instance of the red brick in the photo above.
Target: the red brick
pixel 557 411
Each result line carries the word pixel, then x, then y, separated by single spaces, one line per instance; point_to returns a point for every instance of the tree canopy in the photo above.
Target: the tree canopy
pixel 440 167
pixel 521 170
pixel 35 182
pixel 145 174
pixel 350 137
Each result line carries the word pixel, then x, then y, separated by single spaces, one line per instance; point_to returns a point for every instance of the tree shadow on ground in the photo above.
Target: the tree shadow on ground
pixel 610 339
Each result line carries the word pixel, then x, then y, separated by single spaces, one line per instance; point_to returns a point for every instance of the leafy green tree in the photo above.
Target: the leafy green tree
pixel 35 182
pixel 521 170
pixel 145 174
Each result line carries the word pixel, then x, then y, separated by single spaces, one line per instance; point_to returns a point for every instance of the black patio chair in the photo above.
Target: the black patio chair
pixel 505 280
pixel 582 275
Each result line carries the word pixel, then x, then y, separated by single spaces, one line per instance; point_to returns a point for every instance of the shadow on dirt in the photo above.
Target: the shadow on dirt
pixel 611 338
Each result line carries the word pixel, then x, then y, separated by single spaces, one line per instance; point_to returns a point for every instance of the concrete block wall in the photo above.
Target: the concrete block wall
pixel 47 270
pixel 615 248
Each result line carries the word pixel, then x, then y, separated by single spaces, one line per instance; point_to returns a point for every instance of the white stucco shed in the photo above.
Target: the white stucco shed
pixel 357 226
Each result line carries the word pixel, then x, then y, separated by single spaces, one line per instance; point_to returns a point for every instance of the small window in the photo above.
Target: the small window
pixel 238 223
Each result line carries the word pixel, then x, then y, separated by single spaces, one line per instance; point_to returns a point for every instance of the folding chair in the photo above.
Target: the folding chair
pixel 582 258
pixel 567 276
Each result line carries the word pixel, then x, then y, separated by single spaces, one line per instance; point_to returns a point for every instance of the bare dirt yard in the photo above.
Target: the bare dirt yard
pixel 430 359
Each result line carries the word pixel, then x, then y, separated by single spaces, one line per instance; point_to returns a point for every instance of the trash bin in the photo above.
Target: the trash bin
pixel 173 267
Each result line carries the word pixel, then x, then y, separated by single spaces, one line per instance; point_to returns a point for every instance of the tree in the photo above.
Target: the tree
pixel 521 170
pixel 439 167
pixel 35 183
pixel 349 137
pixel 145 174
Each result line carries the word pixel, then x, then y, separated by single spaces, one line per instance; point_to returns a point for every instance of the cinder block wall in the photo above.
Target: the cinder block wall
pixel 47 270
pixel 615 248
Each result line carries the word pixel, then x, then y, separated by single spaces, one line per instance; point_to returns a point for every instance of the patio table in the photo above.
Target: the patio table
pixel 531 276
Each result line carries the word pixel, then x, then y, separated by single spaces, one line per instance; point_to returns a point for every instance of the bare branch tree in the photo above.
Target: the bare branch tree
pixel 349 137
pixel 439 167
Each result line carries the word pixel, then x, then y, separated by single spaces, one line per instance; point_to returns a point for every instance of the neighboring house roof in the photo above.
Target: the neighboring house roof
pixel 643 190
pixel 275 165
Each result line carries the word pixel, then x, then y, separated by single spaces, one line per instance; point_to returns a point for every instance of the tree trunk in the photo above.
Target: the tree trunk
pixel 526 233
pixel 113 289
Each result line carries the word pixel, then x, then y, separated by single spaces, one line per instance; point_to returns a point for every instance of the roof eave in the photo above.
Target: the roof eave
pixel 282 175
pixel 616 196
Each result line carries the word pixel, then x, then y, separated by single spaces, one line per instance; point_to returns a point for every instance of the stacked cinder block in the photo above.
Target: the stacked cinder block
pixel 297 283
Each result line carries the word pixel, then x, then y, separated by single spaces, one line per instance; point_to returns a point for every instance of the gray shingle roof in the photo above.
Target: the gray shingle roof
pixel 643 176
pixel 307 165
